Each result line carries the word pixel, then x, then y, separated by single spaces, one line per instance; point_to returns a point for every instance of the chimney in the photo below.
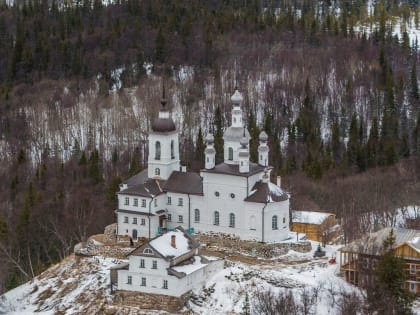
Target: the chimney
pixel 183 168
pixel 173 241
pixel 279 181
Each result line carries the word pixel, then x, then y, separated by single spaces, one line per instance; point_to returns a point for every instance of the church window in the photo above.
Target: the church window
pixel 180 202
pixel 143 203
pixel 165 284
pixel 134 220
pixel 136 202
pixel 125 219
pixel 143 221
pixel 231 220
pixel 180 219
pixel 216 193
pixel 169 200
pixel 157 150
pixel 216 217
pixel 197 216
pixel 232 195
pixel 261 157
pixel 274 225
pixel 154 264
pixel 230 157
pixel 141 263
pixel 208 160
pixel 169 217
pixel 234 120
pixel 242 163
pixel 157 171
pixel 155 202
pixel 127 201
pixel 284 219
pixel 143 282
pixel 172 149
pixel 129 280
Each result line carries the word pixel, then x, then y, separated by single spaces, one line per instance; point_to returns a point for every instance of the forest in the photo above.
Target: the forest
pixel 333 83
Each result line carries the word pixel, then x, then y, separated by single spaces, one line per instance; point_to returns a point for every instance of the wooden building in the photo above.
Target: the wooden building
pixel 358 259
pixel 318 226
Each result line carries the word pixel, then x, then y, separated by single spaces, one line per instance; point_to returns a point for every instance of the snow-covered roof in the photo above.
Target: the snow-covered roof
pixel 266 192
pixel 163 243
pixel 372 243
pixel 190 268
pixel 309 217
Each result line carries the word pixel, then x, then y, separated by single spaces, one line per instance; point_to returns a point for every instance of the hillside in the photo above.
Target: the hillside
pixel 80 285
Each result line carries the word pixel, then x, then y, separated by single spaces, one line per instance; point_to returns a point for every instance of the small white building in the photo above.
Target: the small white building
pixel 169 264
pixel 234 197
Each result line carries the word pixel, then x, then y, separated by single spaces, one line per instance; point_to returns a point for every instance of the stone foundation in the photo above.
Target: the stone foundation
pixel 110 234
pixel 149 301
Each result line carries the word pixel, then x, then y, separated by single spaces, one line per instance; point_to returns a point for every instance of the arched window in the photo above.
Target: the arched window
pixel 216 217
pixel 274 224
pixel 197 216
pixel 157 150
pixel 231 220
pixel 230 157
pixel 172 149
pixel 157 171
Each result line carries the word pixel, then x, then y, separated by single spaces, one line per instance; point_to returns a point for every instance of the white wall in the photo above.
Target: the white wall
pixel 154 280
pixel 142 230
pixel 130 206
pixel 166 164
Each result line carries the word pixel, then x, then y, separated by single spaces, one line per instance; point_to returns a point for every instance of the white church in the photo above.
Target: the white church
pixel 234 197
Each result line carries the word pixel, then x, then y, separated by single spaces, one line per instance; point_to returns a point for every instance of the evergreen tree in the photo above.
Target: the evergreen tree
pixel 353 143
pixel 160 47
pixel 389 295
pixel 336 146
pixel 372 146
pixel 254 133
pixel 112 189
pixel 218 135
pixel 135 163
pixel 199 148
pixel 95 167
pixel 416 136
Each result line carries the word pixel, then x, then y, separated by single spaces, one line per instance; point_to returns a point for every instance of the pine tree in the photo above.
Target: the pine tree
pixel 353 143
pixel 389 282
pixel 414 92
pixel 416 136
pixel 160 47
pixel 254 133
pixel 135 163
pixel 336 146
pixel 218 135
pixel 199 148
pixel 372 146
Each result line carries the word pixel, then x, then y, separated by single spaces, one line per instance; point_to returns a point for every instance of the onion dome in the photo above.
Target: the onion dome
pixel 263 136
pixel 237 97
pixel 243 142
pixel 209 139
pixel 164 122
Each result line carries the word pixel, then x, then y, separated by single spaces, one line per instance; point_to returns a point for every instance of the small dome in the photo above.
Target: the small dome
pixel 210 139
pixel 163 125
pixel 237 97
pixel 243 142
pixel 263 136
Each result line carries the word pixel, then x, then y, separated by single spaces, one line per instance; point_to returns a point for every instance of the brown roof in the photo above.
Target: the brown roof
pixel 150 188
pixel 233 169
pixel 163 125
pixel 184 183
pixel 266 192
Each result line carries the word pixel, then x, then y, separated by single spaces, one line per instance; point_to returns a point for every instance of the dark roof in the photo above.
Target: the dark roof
pixel 184 183
pixel 150 188
pixel 163 125
pixel 135 212
pixel 233 169
pixel 137 179
pixel 266 192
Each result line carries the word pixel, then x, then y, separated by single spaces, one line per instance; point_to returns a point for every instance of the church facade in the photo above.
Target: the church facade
pixel 234 197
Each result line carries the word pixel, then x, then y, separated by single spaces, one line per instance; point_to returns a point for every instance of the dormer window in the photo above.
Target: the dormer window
pixel 147 251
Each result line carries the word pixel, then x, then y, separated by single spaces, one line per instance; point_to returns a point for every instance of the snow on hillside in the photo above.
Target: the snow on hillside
pixel 81 285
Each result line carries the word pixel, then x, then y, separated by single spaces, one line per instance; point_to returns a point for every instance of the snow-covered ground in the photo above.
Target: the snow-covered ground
pixel 81 286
